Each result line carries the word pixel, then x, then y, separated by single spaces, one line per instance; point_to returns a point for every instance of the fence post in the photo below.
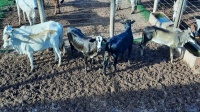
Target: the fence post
pixel 41 11
pixel 155 5
pixel 112 16
pixel 179 14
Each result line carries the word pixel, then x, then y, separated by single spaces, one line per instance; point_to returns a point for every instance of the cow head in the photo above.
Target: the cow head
pixel 187 34
pixel 7 32
pixel 99 40
pixel 127 23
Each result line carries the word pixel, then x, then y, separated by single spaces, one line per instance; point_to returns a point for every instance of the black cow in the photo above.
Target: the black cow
pixel 118 44
pixel 87 45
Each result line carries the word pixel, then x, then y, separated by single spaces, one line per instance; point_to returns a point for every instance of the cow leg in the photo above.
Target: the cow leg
pixel 91 62
pixel 143 43
pixel 121 56
pixel 171 54
pixel 85 59
pixel 72 48
pixel 30 56
pixel 55 9
pixel 129 53
pixel 29 19
pixel 133 5
pixel 118 4
pixel 57 53
pixel 58 6
pixel 43 4
pixel 18 11
pixel 55 6
pixel 105 61
pixel 142 49
pixel 34 16
pixel 24 15
pixel 33 20
pixel 63 48
pixel 115 62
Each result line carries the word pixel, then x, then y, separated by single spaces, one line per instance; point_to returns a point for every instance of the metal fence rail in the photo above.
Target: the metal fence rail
pixel 83 14
pixel 166 6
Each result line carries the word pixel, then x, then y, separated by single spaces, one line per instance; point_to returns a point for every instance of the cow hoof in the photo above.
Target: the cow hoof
pixel 118 8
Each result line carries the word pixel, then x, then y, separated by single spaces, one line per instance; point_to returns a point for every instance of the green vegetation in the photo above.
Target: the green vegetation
pixel 138 40
pixel 3 4
pixel 145 13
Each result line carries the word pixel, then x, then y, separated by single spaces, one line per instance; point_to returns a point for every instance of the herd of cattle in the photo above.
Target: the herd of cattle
pixel 50 34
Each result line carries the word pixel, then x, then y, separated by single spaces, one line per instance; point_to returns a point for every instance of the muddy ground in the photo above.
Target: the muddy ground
pixel 151 83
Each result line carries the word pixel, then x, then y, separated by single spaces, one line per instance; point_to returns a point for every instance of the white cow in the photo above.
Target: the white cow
pixel 25 43
pixel 176 7
pixel 28 8
pixel 134 3
pixel 49 25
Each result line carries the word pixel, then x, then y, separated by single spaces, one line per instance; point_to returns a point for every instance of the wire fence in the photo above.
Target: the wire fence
pixel 189 15
pixel 93 16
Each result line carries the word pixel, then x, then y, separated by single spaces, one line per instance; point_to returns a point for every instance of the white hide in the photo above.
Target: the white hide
pixel 28 9
pixel 176 7
pixel 49 25
pixel 27 44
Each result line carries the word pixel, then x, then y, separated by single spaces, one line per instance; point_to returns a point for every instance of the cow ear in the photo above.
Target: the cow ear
pixel 122 22
pixel 92 40
pixel 132 21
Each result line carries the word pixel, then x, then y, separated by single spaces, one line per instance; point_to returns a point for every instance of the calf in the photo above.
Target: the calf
pixel 29 43
pixel 118 44
pixel 87 45
pixel 170 38
pixel 27 6
pixel 134 3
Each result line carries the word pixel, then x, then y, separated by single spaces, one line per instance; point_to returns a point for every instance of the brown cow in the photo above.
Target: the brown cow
pixel 56 5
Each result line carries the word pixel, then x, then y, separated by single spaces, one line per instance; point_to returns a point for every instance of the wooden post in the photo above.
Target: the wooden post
pixel 112 16
pixel 41 11
pixel 155 6
pixel 179 14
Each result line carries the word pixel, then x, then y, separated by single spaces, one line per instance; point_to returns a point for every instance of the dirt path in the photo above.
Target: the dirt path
pixel 151 83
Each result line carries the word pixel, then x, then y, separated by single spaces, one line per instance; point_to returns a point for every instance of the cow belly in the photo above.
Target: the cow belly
pixel 162 41
pixel 39 46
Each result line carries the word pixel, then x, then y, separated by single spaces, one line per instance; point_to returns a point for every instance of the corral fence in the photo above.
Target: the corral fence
pixel 77 13
pixel 189 16
pixel 93 16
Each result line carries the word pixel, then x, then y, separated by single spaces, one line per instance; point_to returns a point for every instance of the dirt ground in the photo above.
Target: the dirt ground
pixel 151 83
